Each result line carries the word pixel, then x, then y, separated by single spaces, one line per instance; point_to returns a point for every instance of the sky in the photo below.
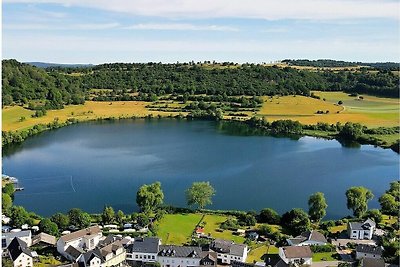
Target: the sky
pixel 99 31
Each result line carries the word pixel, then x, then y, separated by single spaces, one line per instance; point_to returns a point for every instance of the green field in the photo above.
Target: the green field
pixel 261 252
pixel 323 256
pixel 370 111
pixel 178 228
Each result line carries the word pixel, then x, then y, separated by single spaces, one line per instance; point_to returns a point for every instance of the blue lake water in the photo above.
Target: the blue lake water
pixel 90 165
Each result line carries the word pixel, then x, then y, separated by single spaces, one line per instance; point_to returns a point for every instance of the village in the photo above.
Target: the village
pixel 93 247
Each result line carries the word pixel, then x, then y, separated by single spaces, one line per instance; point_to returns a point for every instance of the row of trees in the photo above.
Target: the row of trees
pixel 57 87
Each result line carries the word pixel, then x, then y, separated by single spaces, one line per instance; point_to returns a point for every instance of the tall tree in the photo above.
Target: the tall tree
pixel 61 220
pixel 79 218
pixel 18 216
pixel 119 217
pixel 269 216
pixel 150 197
pixel 317 206
pixel 48 227
pixel 296 221
pixel 389 205
pixel 200 194
pixel 6 202
pixel 108 215
pixel 357 200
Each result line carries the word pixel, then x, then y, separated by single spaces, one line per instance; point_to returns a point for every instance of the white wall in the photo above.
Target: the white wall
pixel 360 255
pixel 175 261
pixel 23 261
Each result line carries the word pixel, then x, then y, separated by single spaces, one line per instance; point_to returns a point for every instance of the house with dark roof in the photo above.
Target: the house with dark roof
pixel 361 230
pixel 368 251
pixel 209 259
pixel 308 238
pixel 143 250
pixel 20 254
pixel 25 236
pixel 300 255
pixel 228 251
pixel 367 262
pixel 85 239
pixel 179 256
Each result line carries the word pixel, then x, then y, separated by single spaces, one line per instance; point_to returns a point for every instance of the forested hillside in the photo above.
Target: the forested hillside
pixel 329 63
pixel 54 87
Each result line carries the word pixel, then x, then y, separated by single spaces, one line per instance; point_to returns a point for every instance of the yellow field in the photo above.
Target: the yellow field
pixel 89 111
pixel 371 111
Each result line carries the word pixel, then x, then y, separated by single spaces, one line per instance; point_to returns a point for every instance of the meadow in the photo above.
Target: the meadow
pixel 370 111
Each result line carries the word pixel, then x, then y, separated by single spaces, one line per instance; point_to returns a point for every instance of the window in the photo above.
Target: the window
pixel 3 243
pixel 144 257
pixel 136 256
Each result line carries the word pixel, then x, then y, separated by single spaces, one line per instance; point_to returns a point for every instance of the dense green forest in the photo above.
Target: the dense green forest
pixel 55 87
pixel 329 63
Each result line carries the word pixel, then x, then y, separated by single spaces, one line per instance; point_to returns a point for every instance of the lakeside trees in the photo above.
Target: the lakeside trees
pixel 296 221
pixel 200 194
pixel 149 197
pixel 390 200
pixel 317 206
pixel 357 200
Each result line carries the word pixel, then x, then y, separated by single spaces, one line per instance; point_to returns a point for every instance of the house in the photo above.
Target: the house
pixel 361 230
pixel 179 256
pixel 296 255
pixel 20 254
pixel 44 239
pixel 25 236
pixel 308 238
pixel 143 250
pixel 208 258
pixel 228 251
pixel 367 262
pixel 368 251
pixel 252 235
pixel 105 255
pixel 82 240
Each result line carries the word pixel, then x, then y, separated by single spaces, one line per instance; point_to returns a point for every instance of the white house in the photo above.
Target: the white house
pixel 143 249
pixel 296 255
pixel 107 254
pixel 20 254
pixel 25 236
pixel 368 251
pixel 307 239
pixel 179 256
pixel 82 240
pixel 361 230
pixel 228 251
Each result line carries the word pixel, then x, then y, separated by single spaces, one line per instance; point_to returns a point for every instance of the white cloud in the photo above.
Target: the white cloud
pixel 180 27
pixel 261 9
pixel 35 26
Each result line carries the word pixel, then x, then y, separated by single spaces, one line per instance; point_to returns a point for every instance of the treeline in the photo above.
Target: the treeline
pixel 329 63
pixel 22 83
pixel 56 87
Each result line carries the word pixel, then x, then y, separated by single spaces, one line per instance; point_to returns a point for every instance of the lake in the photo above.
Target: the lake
pixel 89 165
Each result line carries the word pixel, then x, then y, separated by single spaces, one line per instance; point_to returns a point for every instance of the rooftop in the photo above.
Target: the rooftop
pixel 17 247
pixel 297 252
pixel 370 249
pixel 145 245
pixel 180 251
pixel 93 230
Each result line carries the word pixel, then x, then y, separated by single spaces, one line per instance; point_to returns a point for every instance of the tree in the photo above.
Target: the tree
pixel 149 197
pixel 119 217
pixel 48 227
pixel 351 131
pixel 394 190
pixel 6 202
pixel 18 216
pixel 79 218
pixel 9 189
pixel 61 220
pixel 108 215
pixel 200 194
pixel 269 216
pixel 375 215
pixel 317 206
pixel 389 205
pixel 296 221
pixel 357 200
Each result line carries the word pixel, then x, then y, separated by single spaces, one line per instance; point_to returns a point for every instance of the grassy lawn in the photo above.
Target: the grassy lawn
pixel 371 111
pixel 176 229
pixel 259 253
pixel 212 224
pixel 323 256
pixel 89 111
pixel 338 228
